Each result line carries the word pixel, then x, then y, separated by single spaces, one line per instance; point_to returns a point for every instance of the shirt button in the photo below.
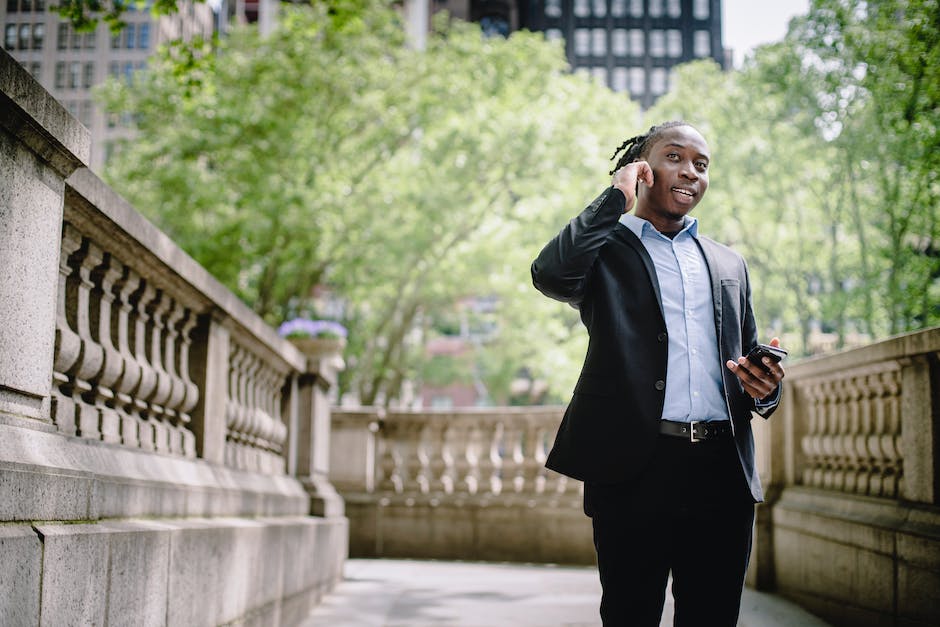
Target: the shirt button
pixel 660 385
pixel 661 337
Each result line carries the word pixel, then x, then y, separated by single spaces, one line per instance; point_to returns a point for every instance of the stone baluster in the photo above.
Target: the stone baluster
pixel 148 377
pixel 490 462
pixel 530 463
pixel 177 390
pixel 231 404
pixel 423 451
pixel 68 346
pixel 391 465
pixel 190 389
pixel 104 277
pixel 122 322
pixel 436 464
pixel 514 459
pixel 157 400
pixel 410 452
pixel 547 482
pixel 91 359
pixel 470 459
pixel 450 452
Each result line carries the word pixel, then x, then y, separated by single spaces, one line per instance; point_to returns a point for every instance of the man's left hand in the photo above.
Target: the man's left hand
pixel 758 382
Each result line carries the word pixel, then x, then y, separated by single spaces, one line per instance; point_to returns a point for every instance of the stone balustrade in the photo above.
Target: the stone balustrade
pixel 172 444
pixel 851 467
pixel 461 484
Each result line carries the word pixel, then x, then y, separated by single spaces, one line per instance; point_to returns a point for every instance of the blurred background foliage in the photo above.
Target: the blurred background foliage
pixel 330 170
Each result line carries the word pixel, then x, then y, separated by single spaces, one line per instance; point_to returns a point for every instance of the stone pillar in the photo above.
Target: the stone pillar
pixel 210 358
pixel 40 146
pixel 312 437
pixel 920 429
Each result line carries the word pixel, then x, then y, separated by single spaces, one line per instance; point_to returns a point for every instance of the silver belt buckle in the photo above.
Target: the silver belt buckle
pixel 692 437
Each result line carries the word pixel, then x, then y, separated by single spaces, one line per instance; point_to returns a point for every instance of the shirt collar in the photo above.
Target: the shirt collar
pixel 639 226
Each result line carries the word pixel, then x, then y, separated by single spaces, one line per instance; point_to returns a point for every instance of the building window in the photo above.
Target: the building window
pixel 600 8
pixel 88 75
pixel 35 69
pixel 618 42
pixel 674 43
pixel 655 8
pixel 674 8
pixel 552 34
pixel 114 69
pixel 637 41
pixel 491 25
pixel 116 40
pixel 62 36
pixel 618 8
pixel 582 42
pixel 582 8
pixel 60 75
pixel 599 74
pixel 13 6
pixel 552 8
pixel 637 81
pixel 130 36
pixel 657 43
pixel 599 42
pixel 85 112
pixel 39 6
pixel 618 79
pixel 39 33
pixel 658 81
pixel 636 8
pixel 89 41
pixel 702 43
pixel 9 40
pixel 75 70
pixel 129 72
pixel 25 32
pixel 700 9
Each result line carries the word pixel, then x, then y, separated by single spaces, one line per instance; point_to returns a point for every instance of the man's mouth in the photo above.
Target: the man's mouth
pixel 685 192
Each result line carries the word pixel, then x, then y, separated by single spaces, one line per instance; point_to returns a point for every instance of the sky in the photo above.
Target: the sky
pixel 749 23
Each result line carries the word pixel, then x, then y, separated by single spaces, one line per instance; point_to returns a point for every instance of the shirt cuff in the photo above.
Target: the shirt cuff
pixel 769 401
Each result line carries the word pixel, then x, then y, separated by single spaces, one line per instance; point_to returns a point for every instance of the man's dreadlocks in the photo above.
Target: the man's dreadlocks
pixel 638 147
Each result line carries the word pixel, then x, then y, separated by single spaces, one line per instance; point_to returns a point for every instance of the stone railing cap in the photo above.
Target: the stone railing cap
pixel 39 120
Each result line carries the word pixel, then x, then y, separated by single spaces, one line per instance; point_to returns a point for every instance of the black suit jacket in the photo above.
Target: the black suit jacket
pixel 611 426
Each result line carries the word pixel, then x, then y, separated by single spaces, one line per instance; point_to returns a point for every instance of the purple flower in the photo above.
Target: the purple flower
pixel 304 327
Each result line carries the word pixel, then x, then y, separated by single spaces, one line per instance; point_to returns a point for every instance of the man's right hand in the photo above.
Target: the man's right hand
pixel 625 180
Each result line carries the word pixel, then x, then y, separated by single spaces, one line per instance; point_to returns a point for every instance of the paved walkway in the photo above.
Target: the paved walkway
pixel 405 593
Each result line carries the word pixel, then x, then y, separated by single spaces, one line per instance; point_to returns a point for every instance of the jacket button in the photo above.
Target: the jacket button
pixel 661 337
pixel 660 385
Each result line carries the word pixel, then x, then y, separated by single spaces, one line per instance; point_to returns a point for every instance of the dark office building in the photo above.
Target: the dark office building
pixel 631 45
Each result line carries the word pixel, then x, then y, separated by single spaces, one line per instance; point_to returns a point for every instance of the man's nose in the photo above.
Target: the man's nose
pixel 688 171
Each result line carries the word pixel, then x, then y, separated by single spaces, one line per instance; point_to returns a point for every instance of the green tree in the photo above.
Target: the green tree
pixel 331 153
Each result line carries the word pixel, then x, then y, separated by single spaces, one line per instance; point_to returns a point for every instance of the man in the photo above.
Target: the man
pixel 659 424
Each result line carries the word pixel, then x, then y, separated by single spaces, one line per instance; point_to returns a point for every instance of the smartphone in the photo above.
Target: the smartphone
pixel 760 351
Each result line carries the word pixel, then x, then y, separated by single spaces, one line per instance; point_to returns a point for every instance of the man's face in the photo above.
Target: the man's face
pixel 679 160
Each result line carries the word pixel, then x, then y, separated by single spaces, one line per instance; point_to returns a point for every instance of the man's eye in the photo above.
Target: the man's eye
pixel 701 165
pixel 672 155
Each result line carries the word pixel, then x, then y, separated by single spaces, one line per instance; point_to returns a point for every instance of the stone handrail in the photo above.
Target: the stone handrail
pixel 113 335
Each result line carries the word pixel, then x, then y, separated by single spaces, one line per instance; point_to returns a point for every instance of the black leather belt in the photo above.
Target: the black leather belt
pixel 696 431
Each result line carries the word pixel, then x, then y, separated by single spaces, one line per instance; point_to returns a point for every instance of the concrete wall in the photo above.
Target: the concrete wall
pixel 161 448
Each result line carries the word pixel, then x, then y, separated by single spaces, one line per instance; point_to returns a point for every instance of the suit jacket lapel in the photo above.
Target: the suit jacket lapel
pixel 630 238
pixel 711 261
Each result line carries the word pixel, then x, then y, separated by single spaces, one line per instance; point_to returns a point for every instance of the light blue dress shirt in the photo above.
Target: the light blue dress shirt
pixel 694 388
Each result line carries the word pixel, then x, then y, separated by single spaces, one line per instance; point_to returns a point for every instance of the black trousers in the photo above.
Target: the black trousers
pixel 689 512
